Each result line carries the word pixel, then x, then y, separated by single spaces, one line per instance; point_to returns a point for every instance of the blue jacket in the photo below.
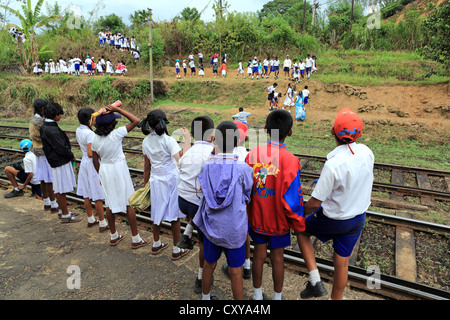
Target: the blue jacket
pixel 222 214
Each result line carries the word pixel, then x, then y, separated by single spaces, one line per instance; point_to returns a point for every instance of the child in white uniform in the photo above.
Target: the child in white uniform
pixel 161 153
pixel 113 170
pixel 89 186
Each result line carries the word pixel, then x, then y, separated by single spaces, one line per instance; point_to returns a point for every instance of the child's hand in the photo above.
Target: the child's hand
pixel 186 133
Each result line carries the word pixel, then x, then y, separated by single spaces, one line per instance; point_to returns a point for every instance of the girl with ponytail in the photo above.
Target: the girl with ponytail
pixel 161 154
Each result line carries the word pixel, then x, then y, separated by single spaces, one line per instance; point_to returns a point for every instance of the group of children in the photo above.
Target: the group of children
pixel 118 41
pixel 229 195
pixel 295 99
pixel 78 67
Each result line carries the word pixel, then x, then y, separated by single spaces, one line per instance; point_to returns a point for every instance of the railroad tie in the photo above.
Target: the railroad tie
pixel 424 183
pixel 405 251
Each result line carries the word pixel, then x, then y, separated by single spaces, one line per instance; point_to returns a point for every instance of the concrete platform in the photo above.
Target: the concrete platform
pixel 39 256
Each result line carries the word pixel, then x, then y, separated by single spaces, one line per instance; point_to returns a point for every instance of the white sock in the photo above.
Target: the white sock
pixel 276 295
pixel 136 239
pixel 114 236
pixel 257 294
pixel 189 230
pixel 91 219
pixel 200 273
pixel 247 264
pixel 103 223
pixel 47 201
pixel 66 216
pixel 176 249
pixel 206 296
pixel 17 189
pixel 156 243
pixel 314 276
pixel 54 204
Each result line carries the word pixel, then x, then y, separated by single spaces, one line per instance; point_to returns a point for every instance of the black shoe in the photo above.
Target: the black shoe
pixel 247 273
pixel 315 291
pixel 14 194
pixel 185 242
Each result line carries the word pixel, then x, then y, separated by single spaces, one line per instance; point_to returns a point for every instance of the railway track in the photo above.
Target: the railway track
pixel 402 285
pixel 429 186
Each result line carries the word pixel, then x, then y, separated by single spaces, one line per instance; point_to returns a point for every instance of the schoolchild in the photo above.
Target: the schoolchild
pixel 177 68
pixel 249 68
pixel 302 67
pixel 57 150
pixel 337 207
pixel 223 68
pixel 26 175
pixel 192 66
pixel 287 64
pixel 89 186
pixel 289 101
pixel 201 71
pixel 189 191
pixel 113 169
pixel 276 67
pixel 277 201
pixel 222 215
pixel 305 93
pixel 185 68
pixel 266 67
pixel 241 151
pixel 240 69
pixel 241 116
pixel 43 169
pixel 161 153
pixel 308 64
pixel 271 96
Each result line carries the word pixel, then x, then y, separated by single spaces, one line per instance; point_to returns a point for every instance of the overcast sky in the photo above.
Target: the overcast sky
pixel 162 9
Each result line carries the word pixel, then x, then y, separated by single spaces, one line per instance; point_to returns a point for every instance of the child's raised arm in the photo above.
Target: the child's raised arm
pixel 134 121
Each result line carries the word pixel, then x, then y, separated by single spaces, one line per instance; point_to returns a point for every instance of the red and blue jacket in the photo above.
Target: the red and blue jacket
pixel 277 197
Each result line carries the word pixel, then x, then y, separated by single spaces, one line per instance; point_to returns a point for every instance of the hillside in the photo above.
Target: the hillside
pixel 397 11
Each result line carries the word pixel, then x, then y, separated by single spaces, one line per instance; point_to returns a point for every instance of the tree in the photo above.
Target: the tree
pixel 31 20
pixel 189 13
pixel 111 22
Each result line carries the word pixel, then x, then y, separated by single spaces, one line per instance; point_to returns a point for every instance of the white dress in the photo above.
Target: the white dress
pixel 164 177
pixel 64 178
pixel 52 67
pixel 43 170
pixel 114 173
pixel 109 67
pixel 88 180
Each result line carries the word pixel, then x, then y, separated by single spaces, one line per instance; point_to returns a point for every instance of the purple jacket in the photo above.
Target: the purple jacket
pixel 222 214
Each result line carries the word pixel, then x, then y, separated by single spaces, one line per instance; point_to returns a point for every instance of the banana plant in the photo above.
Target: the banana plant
pixel 31 20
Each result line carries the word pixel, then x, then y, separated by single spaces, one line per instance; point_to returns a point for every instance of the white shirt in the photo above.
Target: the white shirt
pixel 309 62
pixel 109 148
pixel 302 65
pixel 29 163
pixel 241 152
pixel 305 93
pixel 287 63
pixel 84 136
pixel 160 149
pixel 276 63
pixel 345 184
pixel 190 168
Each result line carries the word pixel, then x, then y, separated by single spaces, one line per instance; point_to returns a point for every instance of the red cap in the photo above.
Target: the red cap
pixel 243 128
pixel 348 125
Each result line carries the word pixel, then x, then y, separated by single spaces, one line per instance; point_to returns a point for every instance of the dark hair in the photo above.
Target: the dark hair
pixel 155 120
pixel 39 105
pixel 84 115
pixel 241 109
pixel 52 110
pixel 200 133
pixel 280 120
pixel 105 129
pixel 227 136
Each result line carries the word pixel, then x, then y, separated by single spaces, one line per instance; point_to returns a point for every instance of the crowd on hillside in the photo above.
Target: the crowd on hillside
pixel 296 70
pixel 90 66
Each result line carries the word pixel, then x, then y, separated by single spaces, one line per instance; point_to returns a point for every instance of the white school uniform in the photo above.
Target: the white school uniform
pixel 46 67
pixel 114 173
pixel 190 168
pixel 89 186
pixel 109 67
pixel 64 178
pixel 163 177
pixel 30 166
pixel 52 67
pixel 289 101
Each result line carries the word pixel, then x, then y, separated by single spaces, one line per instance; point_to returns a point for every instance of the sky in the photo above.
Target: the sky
pixel 162 9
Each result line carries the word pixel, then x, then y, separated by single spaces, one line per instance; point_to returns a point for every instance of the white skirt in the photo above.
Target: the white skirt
pixel 164 194
pixel 117 185
pixel 63 178
pixel 89 186
pixel 43 170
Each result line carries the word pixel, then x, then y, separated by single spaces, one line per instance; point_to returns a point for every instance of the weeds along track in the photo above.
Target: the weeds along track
pixel 396 257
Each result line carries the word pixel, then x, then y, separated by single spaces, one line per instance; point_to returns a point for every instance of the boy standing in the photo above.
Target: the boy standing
pixel 338 203
pixel 189 192
pixel 277 201
pixel 241 116
pixel 308 64
pixel 222 216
